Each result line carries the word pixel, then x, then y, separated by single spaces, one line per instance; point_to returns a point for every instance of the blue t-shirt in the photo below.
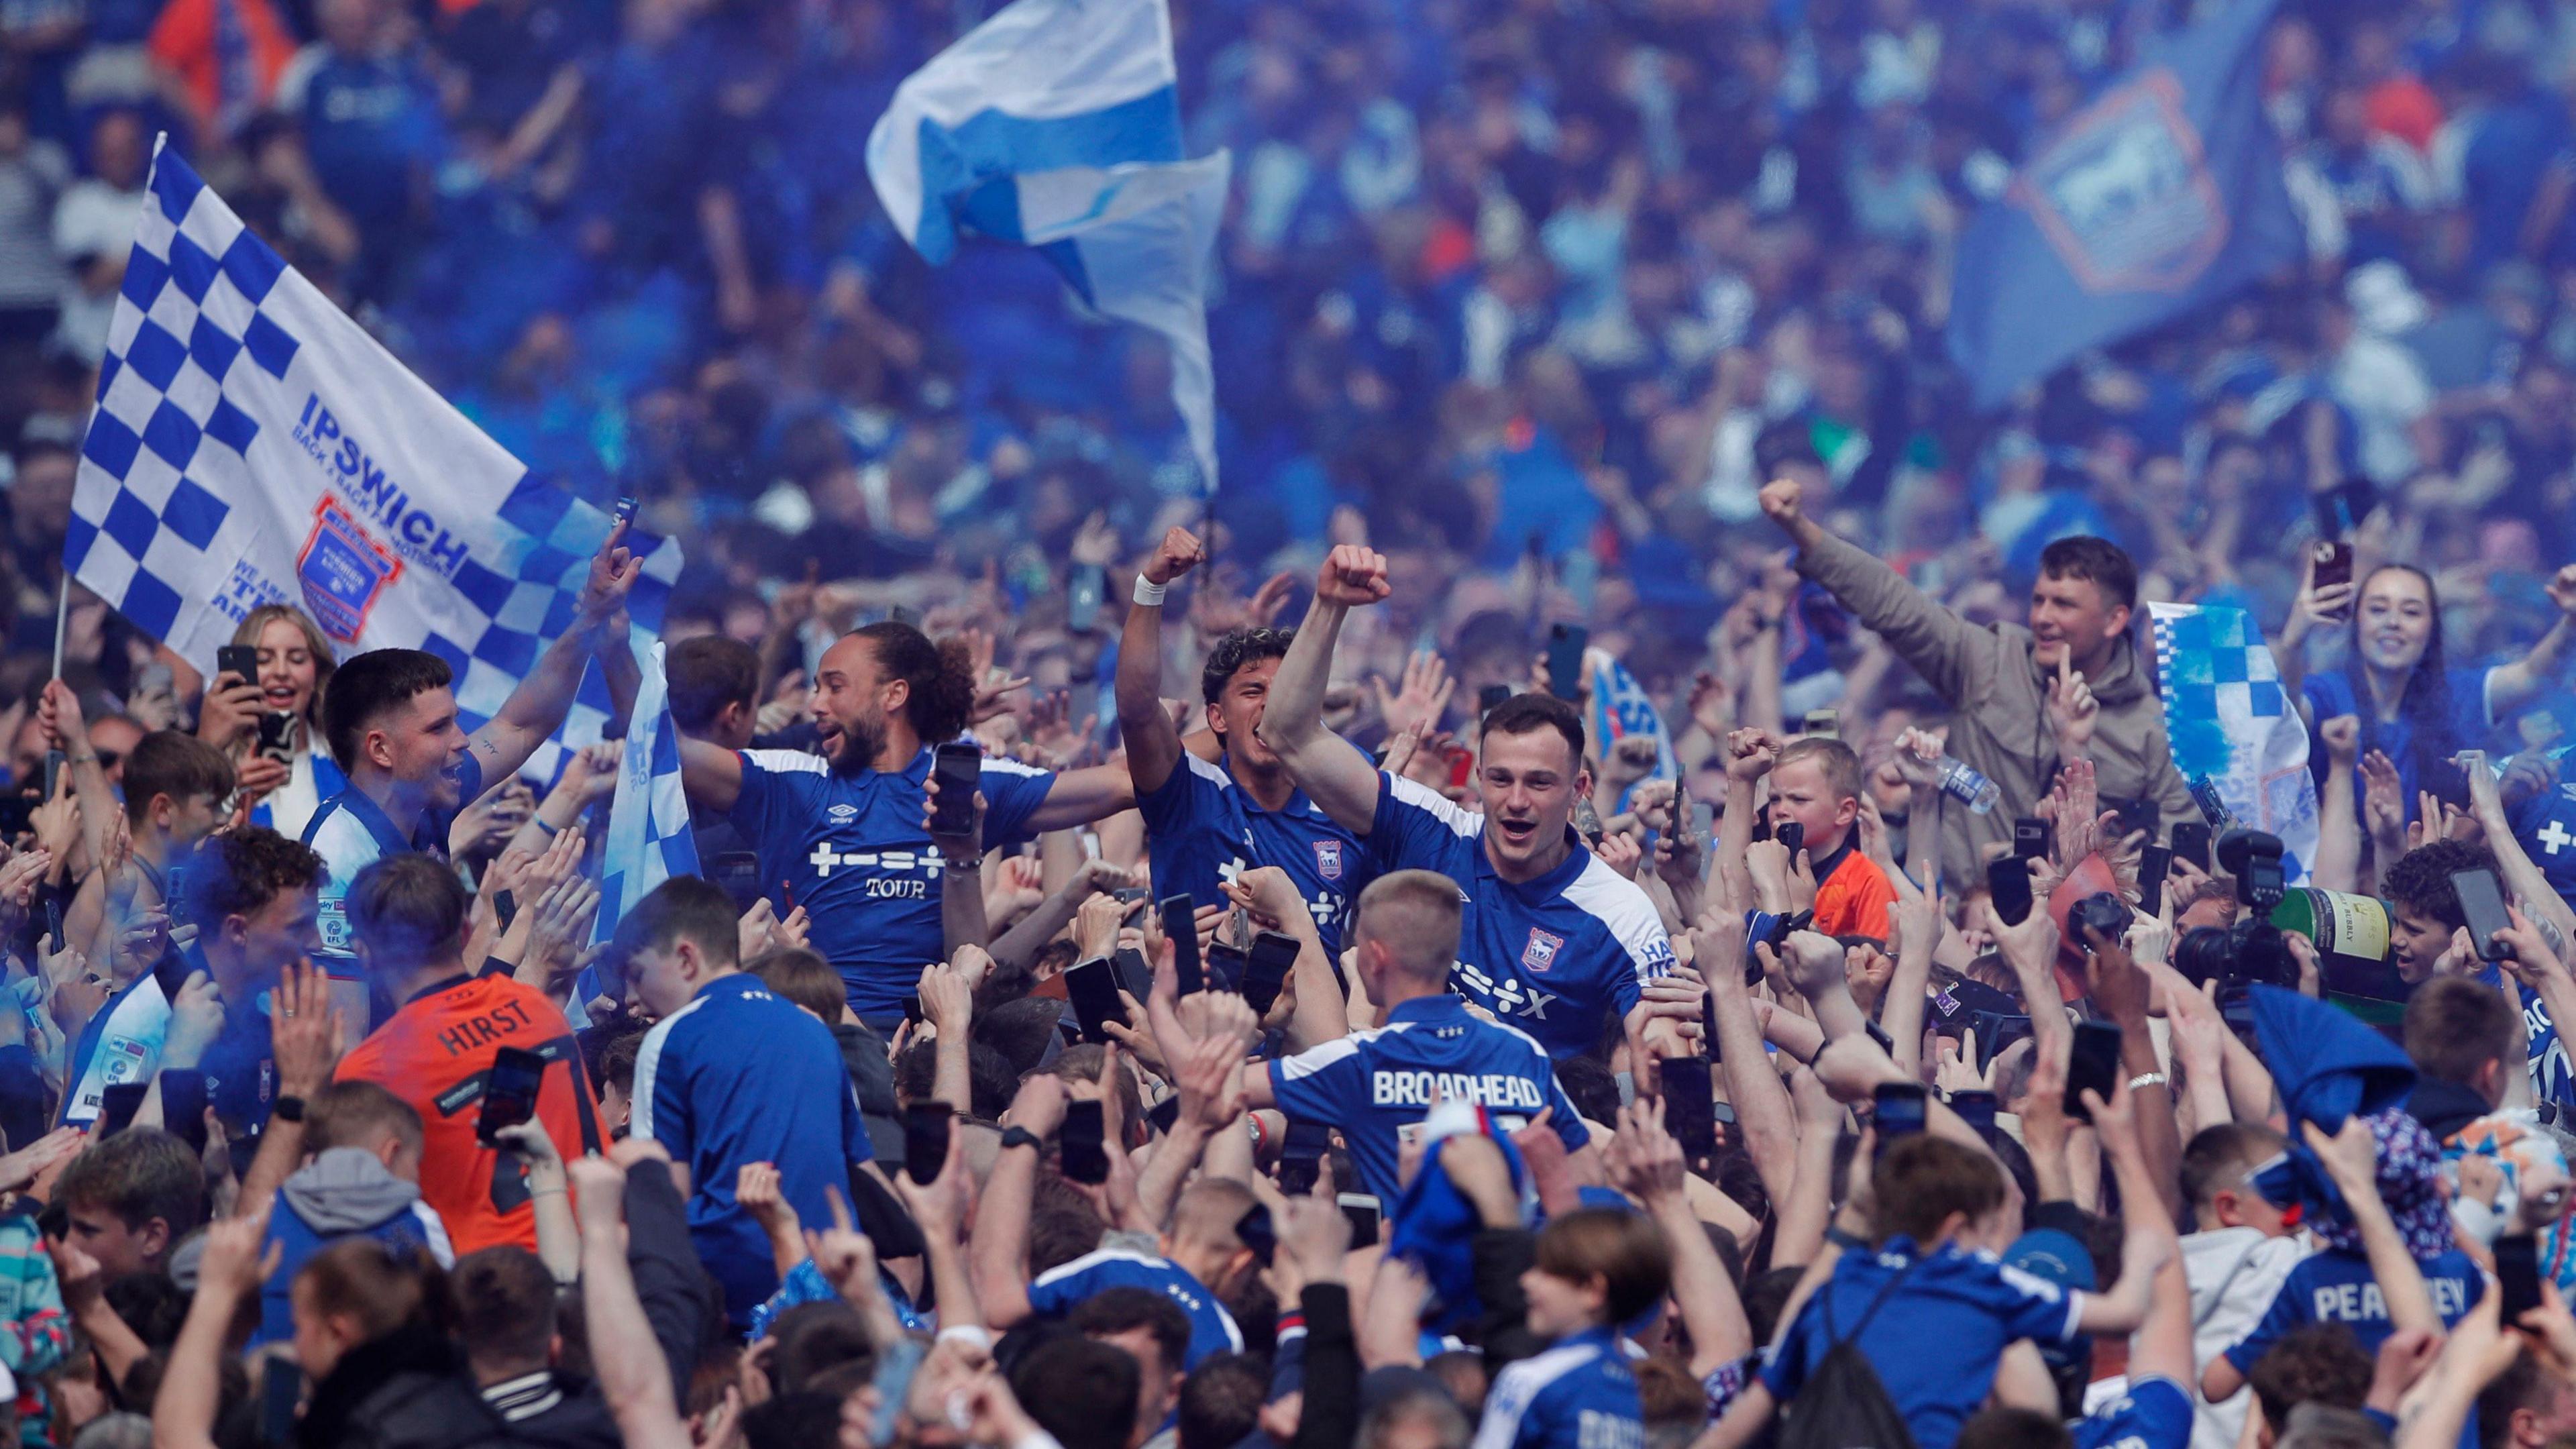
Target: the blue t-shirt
pixel 2336 1286
pixel 852 851
pixel 2153 1414
pixel 2465 727
pixel 1579 1392
pixel 350 832
pixel 1554 956
pixel 1376 1085
pixel 1058 1289
pixel 1936 1340
pixel 1201 827
pixel 739 1076
pixel 372 128
pixel 2545 826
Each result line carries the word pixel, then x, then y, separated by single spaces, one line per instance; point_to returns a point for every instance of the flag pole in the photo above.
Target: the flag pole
pixel 62 616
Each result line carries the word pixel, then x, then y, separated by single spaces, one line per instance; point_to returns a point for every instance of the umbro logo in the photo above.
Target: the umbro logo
pixel 841 813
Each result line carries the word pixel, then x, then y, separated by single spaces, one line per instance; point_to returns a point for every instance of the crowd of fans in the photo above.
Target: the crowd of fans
pixel 1486 1077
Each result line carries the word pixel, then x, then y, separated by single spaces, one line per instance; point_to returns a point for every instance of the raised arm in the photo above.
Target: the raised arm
pixel 1153 745
pixel 999 1253
pixel 627 1357
pixel 1929 636
pixel 2513 686
pixel 711 774
pixel 1333 773
pixel 1079 797
pixel 537 707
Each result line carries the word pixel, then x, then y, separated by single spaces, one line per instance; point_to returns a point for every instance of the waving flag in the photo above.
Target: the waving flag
pixel 2163 195
pixel 649 840
pixel 2229 720
pixel 253 445
pixel 1057 125
pixel 1621 710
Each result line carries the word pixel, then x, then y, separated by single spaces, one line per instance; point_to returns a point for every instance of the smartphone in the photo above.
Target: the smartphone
pixel 2482 901
pixel 912 1009
pixel 626 510
pixel 54 919
pixel 1225 965
pixel 1181 927
pixel 1255 1230
pixel 2213 808
pixel 1082 1143
pixel 505 908
pixel 2191 843
pixel 1792 837
pixel 1266 970
pixel 1092 986
pixel 117 1104
pixel 959 768
pixel 1134 976
pixel 1898 1110
pixel 241 661
pixel 509 1091
pixel 925 1139
pixel 1997 1032
pixel 2030 838
pixel 1085 588
pixel 1301 1157
pixel 2009 881
pixel 2517 1270
pixel 281 1393
pixel 277 737
pixel 2153 863
pixel 1690 1107
pixel 2094 1065
pixel 183 1106
pixel 1565 659
pixel 1976 1108
pixel 2333 565
pixel 1362 1210
pixel 1489 696
pixel 1824 724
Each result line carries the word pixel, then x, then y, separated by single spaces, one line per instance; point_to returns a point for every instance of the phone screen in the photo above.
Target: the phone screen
pixel 2517 1267
pixel 1362 1210
pixel 925 1140
pixel 1898 1109
pixel 1224 965
pixel 2095 1064
pixel 1301 1157
pixel 183 1106
pixel 1977 1108
pixel 1565 659
pixel 509 1091
pixel 1134 976
pixel 1082 1143
pixel 1181 926
pixel 1093 988
pixel 960 769
pixel 117 1104
pixel 2482 901
pixel 1690 1107
pixel 1273 956
pixel 2153 863
pixel 280 1394
pixel 2191 843
pixel 2009 881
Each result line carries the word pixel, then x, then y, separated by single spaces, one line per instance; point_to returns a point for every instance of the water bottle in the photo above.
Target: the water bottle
pixel 1968 787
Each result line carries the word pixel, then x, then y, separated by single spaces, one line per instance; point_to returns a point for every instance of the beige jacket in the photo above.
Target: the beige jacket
pixel 2001 696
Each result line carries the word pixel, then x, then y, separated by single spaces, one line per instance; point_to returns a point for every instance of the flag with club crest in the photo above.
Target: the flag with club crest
pixel 2230 722
pixel 1056 124
pixel 253 445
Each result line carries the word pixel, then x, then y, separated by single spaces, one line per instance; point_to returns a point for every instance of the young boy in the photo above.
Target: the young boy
pixel 2428 924
pixel 362 1182
pixel 1816 785
pixel 2234 1260
pixel 1932 1308
pixel 1596 1268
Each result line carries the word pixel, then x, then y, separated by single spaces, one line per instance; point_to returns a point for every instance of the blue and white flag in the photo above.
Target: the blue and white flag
pixel 1621 709
pixel 2163 195
pixel 2228 719
pixel 253 445
pixel 1057 125
pixel 649 840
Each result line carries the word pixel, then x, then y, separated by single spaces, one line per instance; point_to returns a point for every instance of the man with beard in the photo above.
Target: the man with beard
pixel 391 721
pixel 845 833
pixel 1553 941
pixel 1209 821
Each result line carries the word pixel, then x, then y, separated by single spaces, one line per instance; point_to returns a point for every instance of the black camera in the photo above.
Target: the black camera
pixel 2251 949
pixel 2254 858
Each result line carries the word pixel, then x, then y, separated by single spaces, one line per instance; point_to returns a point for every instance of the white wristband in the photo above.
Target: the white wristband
pixel 1148 593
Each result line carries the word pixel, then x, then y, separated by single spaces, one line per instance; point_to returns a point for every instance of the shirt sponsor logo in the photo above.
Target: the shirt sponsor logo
pixel 1328 859
pixel 1541 951
pixel 841 813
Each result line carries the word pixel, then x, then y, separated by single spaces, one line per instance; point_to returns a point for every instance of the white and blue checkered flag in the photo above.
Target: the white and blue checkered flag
pixel 649 840
pixel 1056 124
pixel 2228 719
pixel 253 445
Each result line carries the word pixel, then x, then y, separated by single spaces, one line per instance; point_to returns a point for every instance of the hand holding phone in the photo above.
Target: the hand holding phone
pixel 509 1092
pixel 2008 882
pixel 1082 1143
pixel 2094 1065
pixel 1181 928
pixel 2482 902
pixel 1092 986
pixel 925 1140
pixel 959 768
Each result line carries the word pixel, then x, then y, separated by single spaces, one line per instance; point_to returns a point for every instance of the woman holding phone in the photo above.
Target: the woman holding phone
pixel 277 716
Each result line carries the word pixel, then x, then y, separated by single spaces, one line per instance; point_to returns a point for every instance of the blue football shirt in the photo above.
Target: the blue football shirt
pixel 2154 1414
pixel 851 850
pixel 738 1076
pixel 1201 828
pixel 1058 1289
pixel 2336 1286
pixel 1555 956
pixel 1579 1392
pixel 350 832
pixel 1376 1085
pixel 2545 826
pixel 2465 726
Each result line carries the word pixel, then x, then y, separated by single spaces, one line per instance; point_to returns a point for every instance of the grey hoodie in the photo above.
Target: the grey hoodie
pixel 347 1190
pixel 2234 1274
